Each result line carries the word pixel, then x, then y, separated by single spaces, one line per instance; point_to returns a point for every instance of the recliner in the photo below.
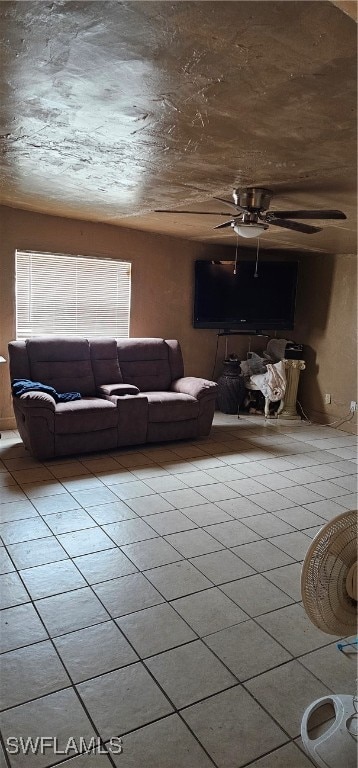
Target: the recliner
pixel 133 391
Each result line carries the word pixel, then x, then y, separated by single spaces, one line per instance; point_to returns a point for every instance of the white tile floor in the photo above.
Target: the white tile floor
pixel 154 594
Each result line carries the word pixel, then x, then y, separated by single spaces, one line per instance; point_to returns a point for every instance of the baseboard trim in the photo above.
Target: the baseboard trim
pixel 9 423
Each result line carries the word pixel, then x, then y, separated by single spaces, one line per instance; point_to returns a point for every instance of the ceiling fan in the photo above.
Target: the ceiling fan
pixel 252 217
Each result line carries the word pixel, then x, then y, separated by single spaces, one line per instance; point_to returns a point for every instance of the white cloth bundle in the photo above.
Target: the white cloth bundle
pixel 272 383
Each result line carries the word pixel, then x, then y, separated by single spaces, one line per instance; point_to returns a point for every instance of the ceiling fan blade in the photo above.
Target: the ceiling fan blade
pixel 195 213
pixel 298 226
pixel 228 202
pixel 310 214
pixel 225 224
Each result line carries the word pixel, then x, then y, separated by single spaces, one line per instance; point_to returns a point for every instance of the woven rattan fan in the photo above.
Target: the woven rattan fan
pixel 329 576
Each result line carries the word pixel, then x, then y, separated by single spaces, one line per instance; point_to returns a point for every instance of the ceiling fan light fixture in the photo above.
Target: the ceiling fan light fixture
pixel 250 230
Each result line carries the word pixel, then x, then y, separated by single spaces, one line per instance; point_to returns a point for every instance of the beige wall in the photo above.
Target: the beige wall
pixel 162 294
pixel 326 323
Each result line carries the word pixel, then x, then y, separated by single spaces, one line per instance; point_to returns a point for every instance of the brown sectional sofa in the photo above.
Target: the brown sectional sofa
pixel 133 391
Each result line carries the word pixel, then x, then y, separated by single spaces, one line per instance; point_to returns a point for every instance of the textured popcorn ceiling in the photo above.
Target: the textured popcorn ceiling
pixel 113 109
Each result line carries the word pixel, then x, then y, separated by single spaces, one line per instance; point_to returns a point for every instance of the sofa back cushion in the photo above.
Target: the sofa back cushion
pixel 19 361
pixel 63 363
pixel 105 363
pixel 145 363
pixel 175 359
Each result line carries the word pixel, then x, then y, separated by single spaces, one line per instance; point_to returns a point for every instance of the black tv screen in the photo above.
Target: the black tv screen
pixel 253 299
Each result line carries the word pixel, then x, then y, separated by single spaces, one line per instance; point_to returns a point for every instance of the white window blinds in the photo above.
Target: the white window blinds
pixel 71 296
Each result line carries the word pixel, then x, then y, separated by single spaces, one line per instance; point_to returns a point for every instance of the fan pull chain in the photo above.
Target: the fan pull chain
pixel 237 245
pixel 257 257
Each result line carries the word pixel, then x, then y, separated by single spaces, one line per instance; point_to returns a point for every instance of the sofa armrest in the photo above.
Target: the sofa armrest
pixel 34 399
pixel 118 389
pixel 194 386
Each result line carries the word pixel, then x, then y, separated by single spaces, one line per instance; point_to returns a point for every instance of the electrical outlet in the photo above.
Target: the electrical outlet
pixel 353 407
pixel 327 399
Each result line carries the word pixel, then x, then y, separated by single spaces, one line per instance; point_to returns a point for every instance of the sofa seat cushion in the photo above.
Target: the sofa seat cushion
pixel 171 406
pixel 91 414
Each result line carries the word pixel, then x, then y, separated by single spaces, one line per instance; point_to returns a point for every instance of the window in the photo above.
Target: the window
pixel 71 296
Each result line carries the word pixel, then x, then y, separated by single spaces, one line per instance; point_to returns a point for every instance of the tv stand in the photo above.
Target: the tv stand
pixel 227 332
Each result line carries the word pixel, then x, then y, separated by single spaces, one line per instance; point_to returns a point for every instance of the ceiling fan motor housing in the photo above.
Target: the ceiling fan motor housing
pixel 256 198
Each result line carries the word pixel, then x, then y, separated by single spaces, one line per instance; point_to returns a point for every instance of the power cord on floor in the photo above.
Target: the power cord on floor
pixel 304 414
pixel 339 422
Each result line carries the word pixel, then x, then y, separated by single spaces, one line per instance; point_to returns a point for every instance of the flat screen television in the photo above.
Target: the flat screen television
pixel 252 300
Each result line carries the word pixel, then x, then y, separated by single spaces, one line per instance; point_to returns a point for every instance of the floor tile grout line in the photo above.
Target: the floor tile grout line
pixel 71 686
pixel 280 726
pixel 267 754
pixel 63 634
pixel 25 602
pixel 2 744
pixel 215 764
pixel 298 659
pixel 276 666
pixel 239 578
pixel 67 687
pixel 295 659
pixel 67 760
pixel 254 619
